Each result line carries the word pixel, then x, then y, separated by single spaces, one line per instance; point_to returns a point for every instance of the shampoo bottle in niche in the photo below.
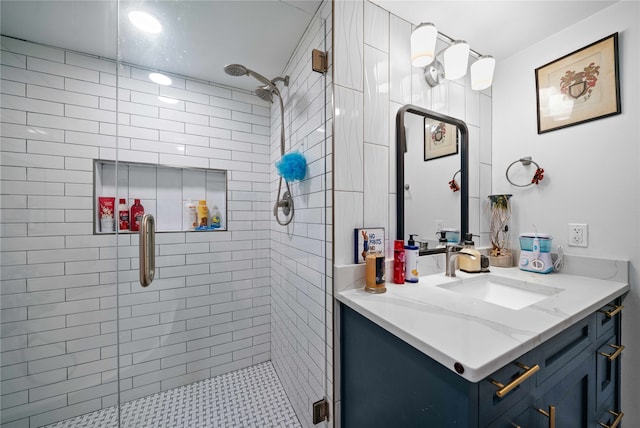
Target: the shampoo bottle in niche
pixel 411 260
pixel 123 215
pixel 398 262
pixel 190 216
pixel 203 215
pixel 216 218
pixel 135 218
pixel 107 212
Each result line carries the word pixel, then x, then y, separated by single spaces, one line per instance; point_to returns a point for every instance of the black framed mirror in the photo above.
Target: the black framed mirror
pixel 419 157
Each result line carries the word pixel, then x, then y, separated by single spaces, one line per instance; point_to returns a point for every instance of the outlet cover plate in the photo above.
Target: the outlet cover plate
pixel 578 235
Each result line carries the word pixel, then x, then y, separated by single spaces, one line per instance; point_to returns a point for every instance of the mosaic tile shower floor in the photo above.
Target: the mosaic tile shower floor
pixel 251 397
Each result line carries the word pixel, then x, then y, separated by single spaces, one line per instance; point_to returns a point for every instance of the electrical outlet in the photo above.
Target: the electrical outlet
pixel 578 235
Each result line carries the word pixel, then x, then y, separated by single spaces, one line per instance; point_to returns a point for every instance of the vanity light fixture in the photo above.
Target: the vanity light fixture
pixel 456 59
pixel 145 22
pixel 160 79
pixel 423 44
pixel 482 72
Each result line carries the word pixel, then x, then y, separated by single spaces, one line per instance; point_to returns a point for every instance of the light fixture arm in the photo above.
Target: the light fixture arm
pixel 450 40
pixel 434 72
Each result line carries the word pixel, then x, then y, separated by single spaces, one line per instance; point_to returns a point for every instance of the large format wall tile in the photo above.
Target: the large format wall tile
pixel 348 49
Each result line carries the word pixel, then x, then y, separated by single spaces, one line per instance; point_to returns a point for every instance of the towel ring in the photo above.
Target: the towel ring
pixel 453 184
pixel 526 161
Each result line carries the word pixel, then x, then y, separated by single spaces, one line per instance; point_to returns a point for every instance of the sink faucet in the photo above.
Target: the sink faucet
pixel 453 252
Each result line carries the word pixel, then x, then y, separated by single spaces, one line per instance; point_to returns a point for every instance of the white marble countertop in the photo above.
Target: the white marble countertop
pixel 451 327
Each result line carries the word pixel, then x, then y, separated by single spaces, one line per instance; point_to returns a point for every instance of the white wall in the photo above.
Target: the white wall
pixel 208 310
pixel 591 170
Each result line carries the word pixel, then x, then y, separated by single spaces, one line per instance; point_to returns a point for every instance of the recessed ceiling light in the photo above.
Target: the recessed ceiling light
pixel 145 22
pixel 160 79
pixel 168 100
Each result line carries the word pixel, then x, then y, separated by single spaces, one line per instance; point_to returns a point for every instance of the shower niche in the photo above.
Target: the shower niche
pixel 163 191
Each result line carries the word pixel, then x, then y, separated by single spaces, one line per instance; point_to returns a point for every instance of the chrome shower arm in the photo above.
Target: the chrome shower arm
pixel 284 79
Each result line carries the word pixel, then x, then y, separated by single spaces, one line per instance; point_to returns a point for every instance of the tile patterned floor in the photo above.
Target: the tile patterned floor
pixel 247 398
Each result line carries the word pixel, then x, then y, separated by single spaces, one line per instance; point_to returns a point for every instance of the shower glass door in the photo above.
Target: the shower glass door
pixel 58 337
pixel 248 295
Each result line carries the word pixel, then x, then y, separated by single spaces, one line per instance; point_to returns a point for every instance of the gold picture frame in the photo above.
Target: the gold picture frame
pixel 440 139
pixel 579 87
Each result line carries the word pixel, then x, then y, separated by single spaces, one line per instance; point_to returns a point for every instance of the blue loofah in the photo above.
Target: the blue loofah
pixel 292 166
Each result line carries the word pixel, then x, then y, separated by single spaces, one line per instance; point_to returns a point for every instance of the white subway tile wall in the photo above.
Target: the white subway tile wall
pixel 301 266
pixel 209 310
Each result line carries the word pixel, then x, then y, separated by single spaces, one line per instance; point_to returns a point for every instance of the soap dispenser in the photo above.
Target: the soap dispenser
pixel 411 260
pixel 467 264
pixel 442 241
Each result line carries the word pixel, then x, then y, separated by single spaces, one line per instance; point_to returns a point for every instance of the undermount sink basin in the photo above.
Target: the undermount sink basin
pixel 506 292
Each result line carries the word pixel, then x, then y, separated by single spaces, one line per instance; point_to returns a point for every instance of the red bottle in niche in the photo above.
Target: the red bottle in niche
pixel 398 262
pixel 137 211
pixel 123 215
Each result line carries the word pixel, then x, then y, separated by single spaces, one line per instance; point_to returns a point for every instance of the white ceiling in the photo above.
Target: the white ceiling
pixel 200 37
pixel 498 28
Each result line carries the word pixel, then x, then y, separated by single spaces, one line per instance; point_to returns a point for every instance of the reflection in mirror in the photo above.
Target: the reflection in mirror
pixel 431 151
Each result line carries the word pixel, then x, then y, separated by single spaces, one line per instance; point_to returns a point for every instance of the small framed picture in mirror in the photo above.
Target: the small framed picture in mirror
pixel 440 139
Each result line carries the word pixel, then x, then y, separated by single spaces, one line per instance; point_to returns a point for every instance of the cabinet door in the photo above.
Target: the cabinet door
pixel 607 367
pixel 570 400
pixel 521 416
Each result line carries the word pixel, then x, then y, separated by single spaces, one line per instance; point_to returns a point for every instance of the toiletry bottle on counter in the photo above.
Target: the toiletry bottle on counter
pixel 468 264
pixel 374 276
pixel 216 218
pixel 203 215
pixel 411 260
pixel 442 240
pixel 135 218
pixel 123 215
pixel 398 261
pixel 190 216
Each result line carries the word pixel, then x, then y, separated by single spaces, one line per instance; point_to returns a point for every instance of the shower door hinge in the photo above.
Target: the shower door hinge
pixel 320 411
pixel 319 61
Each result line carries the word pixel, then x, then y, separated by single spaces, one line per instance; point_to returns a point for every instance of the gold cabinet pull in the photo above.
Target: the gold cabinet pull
pixel 505 389
pixel 616 422
pixel 613 312
pixel 616 354
pixel 551 414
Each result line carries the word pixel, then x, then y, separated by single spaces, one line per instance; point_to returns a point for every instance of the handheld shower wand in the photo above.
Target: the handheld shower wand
pixel 283 200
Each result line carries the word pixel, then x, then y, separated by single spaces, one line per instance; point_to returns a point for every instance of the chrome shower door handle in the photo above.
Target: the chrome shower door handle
pixel 147 250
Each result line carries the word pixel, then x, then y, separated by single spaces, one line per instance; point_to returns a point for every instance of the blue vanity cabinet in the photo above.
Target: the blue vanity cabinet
pixel 569 401
pixel 386 382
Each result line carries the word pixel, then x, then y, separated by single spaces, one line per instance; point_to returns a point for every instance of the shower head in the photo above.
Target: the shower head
pixel 265 93
pixel 236 70
pixel 241 70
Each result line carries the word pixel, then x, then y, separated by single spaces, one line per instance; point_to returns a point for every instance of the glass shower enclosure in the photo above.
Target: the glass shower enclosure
pixel 97 115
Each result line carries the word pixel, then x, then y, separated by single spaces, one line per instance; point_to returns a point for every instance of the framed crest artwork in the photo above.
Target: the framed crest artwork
pixel 440 139
pixel 579 87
